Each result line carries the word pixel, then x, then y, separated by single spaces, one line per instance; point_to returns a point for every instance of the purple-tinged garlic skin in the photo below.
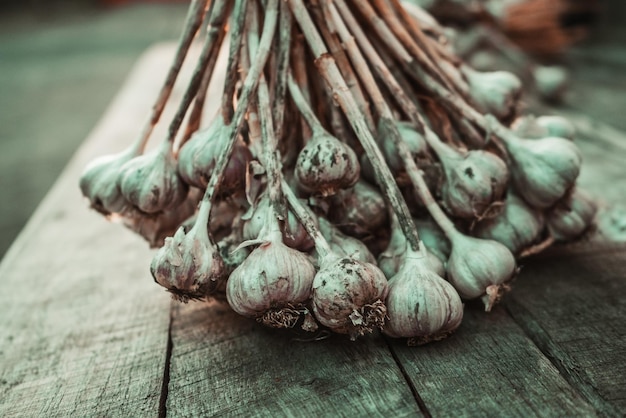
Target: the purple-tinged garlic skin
pixel 150 182
pixel 517 226
pixel 421 306
pixel 99 182
pixel 348 297
pixel 326 165
pixel 480 268
pixel 189 265
pixel 345 245
pixel 572 216
pixel 473 184
pixel 360 210
pixel 271 284
pixel 543 170
pixel 496 92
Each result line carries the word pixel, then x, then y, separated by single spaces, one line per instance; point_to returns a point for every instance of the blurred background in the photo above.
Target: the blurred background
pixel 62 62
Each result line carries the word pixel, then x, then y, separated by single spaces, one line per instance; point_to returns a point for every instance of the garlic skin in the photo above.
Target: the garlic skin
pixel 326 165
pixel 272 284
pixel 189 265
pixel 496 92
pixel 433 238
pixel 543 170
pixel 359 211
pixel 421 305
pixel 473 184
pixel 348 296
pixel 150 182
pixel 517 226
pixel 98 182
pixel 480 268
pixel 572 216
pixel 557 126
pixel 551 81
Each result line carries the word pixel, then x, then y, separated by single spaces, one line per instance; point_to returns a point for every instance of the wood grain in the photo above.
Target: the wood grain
pixel 573 308
pixel 84 328
pixel 226 365
pixel 488 368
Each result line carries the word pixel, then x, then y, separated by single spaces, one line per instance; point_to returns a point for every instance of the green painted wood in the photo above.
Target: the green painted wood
pixel 84 328
pixel 226 365
pixel 489 367
pixel 572 305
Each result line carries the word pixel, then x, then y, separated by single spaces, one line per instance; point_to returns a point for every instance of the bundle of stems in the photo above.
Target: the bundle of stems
pixel 352 116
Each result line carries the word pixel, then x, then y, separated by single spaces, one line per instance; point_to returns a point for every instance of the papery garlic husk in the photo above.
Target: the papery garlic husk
pixel 326 165
pixel 480 268
pixel 197 158
pixel 359 211
pixel 189 265
pixel 496 92
pixel 150 182
pixel 543 170
pixel 557 126
pixel 98 182
pixel 156 228
pixel 345 245
pixel 517 226
pixel 272 285
pixel 433 238
pixel 294 234
pixel 348 296
pixel 390 260
pixel 421 306
pixel 572 216
pixel 474 184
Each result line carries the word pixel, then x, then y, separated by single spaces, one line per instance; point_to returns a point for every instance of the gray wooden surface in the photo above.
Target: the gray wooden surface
pixel 86 332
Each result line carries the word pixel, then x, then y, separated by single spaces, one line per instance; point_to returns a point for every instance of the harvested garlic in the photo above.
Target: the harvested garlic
pixel 572 216
pixel 150 182
pixel 345 245
pixel 517 226
pixel 421 306
pixel 359 211
pixel 496 92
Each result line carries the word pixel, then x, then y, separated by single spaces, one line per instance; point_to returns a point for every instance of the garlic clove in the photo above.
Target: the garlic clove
pixel 572 216
pixel 348 296
pixel 326 165
pixel 480 268
pixel 150 182
pixel 272 285
pixel 421 306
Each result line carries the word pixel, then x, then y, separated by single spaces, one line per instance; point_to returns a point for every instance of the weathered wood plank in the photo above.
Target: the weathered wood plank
pixel 488 368
pixel 226 365
pixel 84 328
pixel 573 307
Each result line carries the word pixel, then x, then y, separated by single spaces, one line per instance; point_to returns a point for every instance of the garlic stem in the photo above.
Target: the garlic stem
pixel 195 16
pixel 321 244
pixel 285 24
pixel 236 36
pixel 304 107
pixel 250 82
pixel 329 71
pixel 217 21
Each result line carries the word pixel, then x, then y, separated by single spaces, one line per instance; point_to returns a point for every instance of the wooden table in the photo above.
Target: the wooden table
pixel 86 332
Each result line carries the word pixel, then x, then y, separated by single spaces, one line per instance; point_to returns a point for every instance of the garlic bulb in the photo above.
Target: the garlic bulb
pixel 359 211
pixel 543 170
pixel 394 255
pixel 517 226
pixel 496 92
pixel 189 265
pixel 551 81
pixel 150 182
pixel 421 305
pixel 98 182
pixel 480 268
pixel 473 183
pixel 272 284
pixel 572 216
pixel 557 126
pixel 433 238
pixel 197 158
pixel 326 165
pixel 345 245
pixel 348 296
